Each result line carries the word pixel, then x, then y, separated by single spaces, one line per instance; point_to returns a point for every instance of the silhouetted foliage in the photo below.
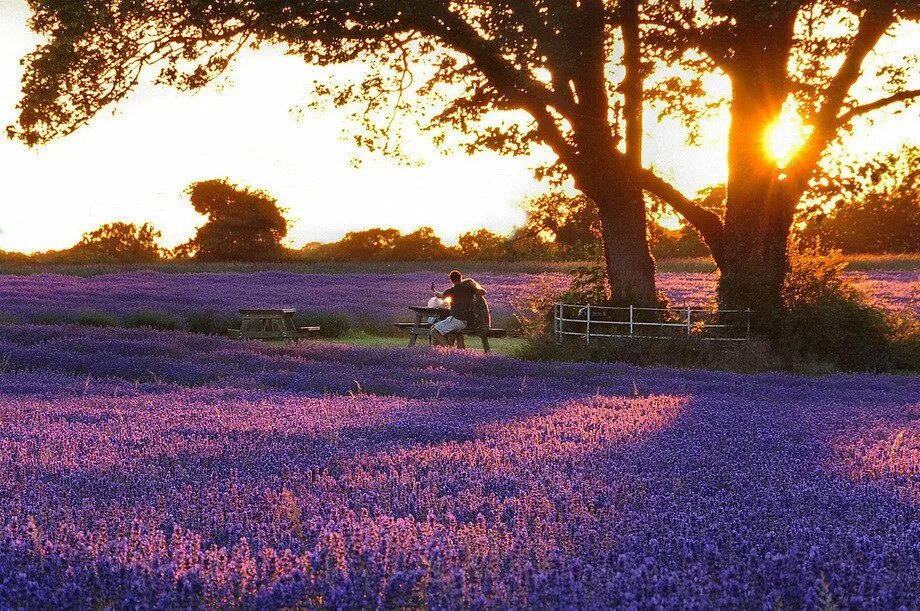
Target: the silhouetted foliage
pixel 481 244
pixel 242 225
pixel 378 244
pixel 549 59
pixel 420 245
pixel 876 207
pixel 119 243
pixel 571 223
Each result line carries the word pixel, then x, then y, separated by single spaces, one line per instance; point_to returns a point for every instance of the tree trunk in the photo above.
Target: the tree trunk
pixel 759 213
pixel 756 262
pixel 630 266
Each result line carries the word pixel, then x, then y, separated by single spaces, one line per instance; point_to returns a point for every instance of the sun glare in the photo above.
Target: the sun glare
pixel 786 136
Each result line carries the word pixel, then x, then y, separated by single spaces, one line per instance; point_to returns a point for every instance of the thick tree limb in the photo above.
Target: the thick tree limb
pixel 901 96
pixel 706 222
pixel 872 26
pixel 530 95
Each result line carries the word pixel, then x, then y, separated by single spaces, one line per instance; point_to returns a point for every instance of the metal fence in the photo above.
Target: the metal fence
pixel 600 322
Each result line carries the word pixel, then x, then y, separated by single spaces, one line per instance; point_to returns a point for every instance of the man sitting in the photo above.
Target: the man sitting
pixel 461 307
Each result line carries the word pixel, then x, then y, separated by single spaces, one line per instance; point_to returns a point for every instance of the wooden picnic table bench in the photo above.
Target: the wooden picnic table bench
pixel 269 323
pixel 421 326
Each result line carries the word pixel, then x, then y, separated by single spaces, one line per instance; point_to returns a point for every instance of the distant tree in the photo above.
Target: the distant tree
pixel 675 243
pixel 15 257
pixel 373 244
pixel 243 224
pixel 118 243
pixel 571 223
pixel 875 208
pixel 420 245
pixel 481 244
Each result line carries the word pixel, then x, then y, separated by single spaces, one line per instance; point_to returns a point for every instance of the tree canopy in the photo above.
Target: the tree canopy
pixel 874 209
pixel 119 243
pixel 507 75
pixel 242 225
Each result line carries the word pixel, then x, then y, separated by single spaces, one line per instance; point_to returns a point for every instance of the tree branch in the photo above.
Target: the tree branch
pixel 706 222
pixel 901 96
pixel 872 26
pixel 518 87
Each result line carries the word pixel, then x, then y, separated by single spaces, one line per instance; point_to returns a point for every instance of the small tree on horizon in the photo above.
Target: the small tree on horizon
pixel 118 242
pixel 243 224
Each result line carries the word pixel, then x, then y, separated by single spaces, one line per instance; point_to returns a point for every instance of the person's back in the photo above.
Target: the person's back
pixel 461 300
pixel 461 296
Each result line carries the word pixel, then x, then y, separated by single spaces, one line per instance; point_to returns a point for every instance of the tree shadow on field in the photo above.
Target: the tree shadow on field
pixel 239 491
pixel 742 505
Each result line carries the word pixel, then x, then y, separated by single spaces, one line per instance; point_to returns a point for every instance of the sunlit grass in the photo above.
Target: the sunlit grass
pixel 508 346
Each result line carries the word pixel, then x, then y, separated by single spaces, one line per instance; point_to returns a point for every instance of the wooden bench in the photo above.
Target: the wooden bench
pixel 271 324
pixel 418 328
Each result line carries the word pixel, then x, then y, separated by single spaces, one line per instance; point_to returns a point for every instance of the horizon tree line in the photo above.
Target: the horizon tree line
pixel 874 210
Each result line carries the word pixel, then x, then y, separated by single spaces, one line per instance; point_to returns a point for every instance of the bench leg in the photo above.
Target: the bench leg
pixel 485 344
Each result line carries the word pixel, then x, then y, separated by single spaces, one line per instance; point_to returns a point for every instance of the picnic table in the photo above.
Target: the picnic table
pixel 269 323
pixel 421 326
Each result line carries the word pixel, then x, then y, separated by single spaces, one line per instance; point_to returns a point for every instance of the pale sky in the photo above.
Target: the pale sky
pixel 132 163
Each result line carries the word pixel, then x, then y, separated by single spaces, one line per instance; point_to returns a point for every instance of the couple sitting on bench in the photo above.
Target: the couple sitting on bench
pixel 469 310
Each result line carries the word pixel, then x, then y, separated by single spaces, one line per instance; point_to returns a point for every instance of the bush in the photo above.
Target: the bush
pixel 96 319
pixel 151 319
pixel 828 320
pixel 211 323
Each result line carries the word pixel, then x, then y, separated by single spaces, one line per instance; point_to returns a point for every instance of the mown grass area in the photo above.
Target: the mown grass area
pixel 699 264
pixel 508 346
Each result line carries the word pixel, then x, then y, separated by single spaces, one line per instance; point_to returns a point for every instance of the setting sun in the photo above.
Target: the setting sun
pixel 786 136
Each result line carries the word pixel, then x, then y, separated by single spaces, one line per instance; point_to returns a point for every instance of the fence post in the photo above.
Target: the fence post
pixel 588 326
pixel 556 320
pixel 631 325
pixel 688 321
pixel 747 320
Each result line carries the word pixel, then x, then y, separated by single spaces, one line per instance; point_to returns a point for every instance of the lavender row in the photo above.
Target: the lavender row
pixel 166 470
pixel 369 300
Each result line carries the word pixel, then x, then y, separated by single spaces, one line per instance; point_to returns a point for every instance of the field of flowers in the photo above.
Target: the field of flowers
pixel 144 469
pixel 368 300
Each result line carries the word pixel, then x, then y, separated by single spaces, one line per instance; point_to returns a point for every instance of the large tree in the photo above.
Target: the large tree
pixel 476 60
pixel 547 58
pixel 810 53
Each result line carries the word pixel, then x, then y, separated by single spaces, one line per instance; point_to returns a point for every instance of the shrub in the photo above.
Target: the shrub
pixel 151 319
pixel 210 323
pixel 826 319
pixel 96 319
pixel 533 307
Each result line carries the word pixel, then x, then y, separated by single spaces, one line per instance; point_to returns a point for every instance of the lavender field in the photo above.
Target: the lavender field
pixel 369 300
pixel 145 469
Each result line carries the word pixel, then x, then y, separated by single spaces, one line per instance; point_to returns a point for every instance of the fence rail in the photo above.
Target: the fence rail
pixel 599 322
